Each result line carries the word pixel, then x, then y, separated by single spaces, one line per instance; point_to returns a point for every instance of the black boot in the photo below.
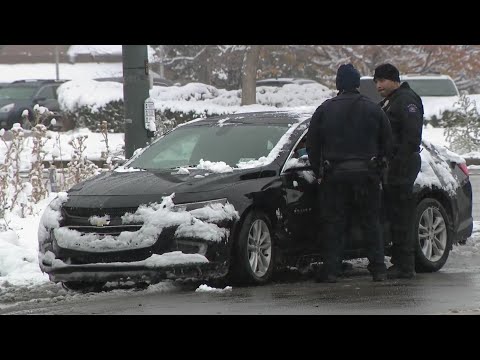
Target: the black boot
pixel 379 276
pixel 328 278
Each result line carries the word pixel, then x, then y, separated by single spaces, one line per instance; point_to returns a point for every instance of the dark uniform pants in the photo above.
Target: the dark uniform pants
pixel 400 207
pixel 340 200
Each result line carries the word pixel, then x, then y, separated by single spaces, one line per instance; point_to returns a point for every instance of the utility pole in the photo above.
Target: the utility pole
pixel 57 70
pixel 161 52
pixel 136 85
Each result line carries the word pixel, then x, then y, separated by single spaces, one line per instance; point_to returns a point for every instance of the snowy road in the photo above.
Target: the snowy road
pixel 453 290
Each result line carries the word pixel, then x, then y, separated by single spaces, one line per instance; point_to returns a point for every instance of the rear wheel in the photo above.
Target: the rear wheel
pixel 433 236
pixel 252 261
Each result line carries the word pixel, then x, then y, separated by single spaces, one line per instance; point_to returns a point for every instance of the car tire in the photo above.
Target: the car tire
pixel 253 255
pixel 83 286
pixel 433 236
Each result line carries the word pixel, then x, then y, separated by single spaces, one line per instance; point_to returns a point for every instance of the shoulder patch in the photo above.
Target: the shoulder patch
pixel 412 108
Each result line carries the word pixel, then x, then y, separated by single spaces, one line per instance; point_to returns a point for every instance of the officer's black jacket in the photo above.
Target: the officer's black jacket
pixel 404 109
pixel 348 126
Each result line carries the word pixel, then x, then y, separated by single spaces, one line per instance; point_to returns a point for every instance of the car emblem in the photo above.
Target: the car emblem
pixel 103 222
pixel 100 221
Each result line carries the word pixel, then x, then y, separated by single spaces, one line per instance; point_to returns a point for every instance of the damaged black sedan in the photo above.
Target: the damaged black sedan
pixel 226 197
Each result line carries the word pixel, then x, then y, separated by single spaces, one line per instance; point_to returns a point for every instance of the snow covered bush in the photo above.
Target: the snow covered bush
pixel 79 168
pixel 35 175
pixel 14 192
pixel 86 116
pixel 89 103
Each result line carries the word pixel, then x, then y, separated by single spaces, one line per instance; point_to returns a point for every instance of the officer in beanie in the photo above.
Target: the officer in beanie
pixel 404 109
pixel 347 136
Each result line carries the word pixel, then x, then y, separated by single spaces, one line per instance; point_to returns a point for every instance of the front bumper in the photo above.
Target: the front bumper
pixel 4 123
pixel 126 265
pixel 126 272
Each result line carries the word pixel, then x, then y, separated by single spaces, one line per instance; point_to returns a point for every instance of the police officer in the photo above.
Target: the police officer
pixel 347 136
pixel 404 109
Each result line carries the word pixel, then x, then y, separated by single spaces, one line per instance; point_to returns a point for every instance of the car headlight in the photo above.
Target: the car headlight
pixel 7 108
pixel 198 205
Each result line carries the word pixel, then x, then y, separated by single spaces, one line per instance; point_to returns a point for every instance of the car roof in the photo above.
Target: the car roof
pixel 35 82
pixel 263 117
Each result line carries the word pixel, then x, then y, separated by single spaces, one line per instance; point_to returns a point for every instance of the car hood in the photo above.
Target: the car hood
pixel 114 189
pixel 4 102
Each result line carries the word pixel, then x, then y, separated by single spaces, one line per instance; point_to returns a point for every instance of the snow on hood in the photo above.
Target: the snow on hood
pixel 154 218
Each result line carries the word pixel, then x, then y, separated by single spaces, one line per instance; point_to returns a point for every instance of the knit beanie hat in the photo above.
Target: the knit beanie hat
pixel 348 78
pixel 387 72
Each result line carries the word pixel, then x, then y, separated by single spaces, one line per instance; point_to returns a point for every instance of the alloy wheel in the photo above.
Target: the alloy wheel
pixel 259 247
pixel 432 234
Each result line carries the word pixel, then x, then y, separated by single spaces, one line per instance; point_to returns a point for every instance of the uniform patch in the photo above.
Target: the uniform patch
pixel 412 108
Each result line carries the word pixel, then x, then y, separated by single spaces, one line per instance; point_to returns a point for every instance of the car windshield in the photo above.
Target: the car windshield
pixel 186 146
pixel 433 87
pixel 17 92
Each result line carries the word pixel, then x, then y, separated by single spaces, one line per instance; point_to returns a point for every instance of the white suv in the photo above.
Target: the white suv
pixel 438 92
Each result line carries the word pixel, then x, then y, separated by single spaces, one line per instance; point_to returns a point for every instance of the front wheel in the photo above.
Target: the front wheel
pixel 433 236
pixel 252 260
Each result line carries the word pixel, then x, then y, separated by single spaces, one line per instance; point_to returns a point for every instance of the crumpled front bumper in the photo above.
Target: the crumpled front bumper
pixel 129 265
pixel 127 272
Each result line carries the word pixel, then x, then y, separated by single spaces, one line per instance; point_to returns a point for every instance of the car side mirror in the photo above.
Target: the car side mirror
pixel 120 162
pixel 464 92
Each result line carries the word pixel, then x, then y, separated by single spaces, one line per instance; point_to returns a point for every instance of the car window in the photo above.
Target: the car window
pixel 17 92
pixel 186 146
pixel 47 92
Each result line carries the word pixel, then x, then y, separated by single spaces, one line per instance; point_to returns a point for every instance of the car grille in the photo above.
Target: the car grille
pixel 104 230
pixel 88 212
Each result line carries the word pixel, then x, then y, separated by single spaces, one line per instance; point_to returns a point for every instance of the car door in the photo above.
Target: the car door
pixel 47 97
pixel 300 192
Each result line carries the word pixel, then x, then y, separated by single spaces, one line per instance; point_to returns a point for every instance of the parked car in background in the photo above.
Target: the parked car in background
pixel 227 196
pixel 22 95
pixel 279 82
pixel 438 92
pixel 432 85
